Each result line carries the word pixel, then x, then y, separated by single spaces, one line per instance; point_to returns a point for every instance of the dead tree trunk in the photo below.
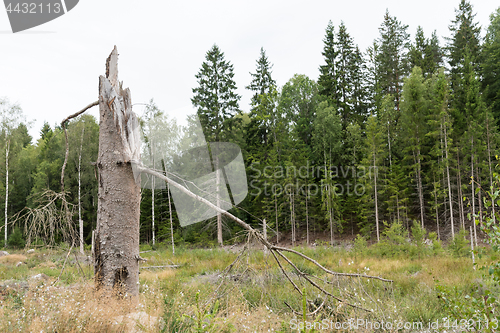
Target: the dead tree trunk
pixel 116 263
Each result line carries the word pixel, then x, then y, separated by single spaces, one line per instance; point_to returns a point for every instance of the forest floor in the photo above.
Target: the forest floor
pixel 37 295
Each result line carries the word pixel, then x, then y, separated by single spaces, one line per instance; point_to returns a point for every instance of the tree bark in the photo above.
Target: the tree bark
pixel 450 198
pixel 80 221
pixel 473 194
pixel 171 221
pixel 376 197
pixel 116 263
pixel 7 149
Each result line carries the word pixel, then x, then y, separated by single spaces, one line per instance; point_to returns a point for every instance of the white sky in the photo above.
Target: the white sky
pixel 52 70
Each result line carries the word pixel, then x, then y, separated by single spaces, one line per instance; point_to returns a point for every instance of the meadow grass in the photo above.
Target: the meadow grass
pixel 191 298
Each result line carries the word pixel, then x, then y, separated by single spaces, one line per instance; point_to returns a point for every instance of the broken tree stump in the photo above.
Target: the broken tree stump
pixel 116 252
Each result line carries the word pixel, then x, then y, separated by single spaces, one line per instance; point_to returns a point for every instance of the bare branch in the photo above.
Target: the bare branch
pixel 275 250
pixel 79 112
pixel 63 125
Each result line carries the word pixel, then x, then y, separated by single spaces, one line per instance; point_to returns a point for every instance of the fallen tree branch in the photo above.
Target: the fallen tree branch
pixel 64 265
pixel 165 266
pixel 275 250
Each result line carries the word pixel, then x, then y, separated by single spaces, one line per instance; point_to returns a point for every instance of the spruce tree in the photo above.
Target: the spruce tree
pixel 414 123
pixel 465 36
pixel 217 104
pixel 263 106
pixel 262 81
pixel 392 57
pixel 215 98
pixel 327 80
pixel 425 53
pixel 490 67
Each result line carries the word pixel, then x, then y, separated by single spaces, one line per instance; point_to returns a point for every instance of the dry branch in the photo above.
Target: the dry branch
pixel 48 219
pixel 63 125
pixel 164 266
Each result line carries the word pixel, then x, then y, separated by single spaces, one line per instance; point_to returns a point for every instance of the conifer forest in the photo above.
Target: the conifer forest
pixel 404 132
pixel 387 160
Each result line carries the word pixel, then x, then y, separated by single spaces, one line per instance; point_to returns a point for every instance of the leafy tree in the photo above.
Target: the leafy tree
pixel 11 116
pixel 327 144
pixel 440 130
pixel 299 99
pixel 81 180
pixel 372 165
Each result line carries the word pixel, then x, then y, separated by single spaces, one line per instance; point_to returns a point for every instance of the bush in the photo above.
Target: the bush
pixel 16 239
pixel 393 242
pixel 459 246
pixel 360 245
pixel 418 234
pixel 437 247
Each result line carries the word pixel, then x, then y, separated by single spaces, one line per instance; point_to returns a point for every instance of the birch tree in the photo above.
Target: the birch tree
pixel 11 115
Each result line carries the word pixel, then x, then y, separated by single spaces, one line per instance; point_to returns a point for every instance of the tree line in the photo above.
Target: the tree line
pixel 404 132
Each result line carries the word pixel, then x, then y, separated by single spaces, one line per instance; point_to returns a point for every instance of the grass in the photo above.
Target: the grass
pixel 252 299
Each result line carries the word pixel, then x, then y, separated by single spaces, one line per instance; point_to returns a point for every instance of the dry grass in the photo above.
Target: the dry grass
pixel 77 308
pixel 250 300
pixel 12 259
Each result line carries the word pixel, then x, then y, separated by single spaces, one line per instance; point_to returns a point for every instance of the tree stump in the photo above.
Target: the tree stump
pixel 116 252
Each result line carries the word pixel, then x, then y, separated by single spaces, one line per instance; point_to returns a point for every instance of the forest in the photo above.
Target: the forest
pixel 403 132
pixel 371 197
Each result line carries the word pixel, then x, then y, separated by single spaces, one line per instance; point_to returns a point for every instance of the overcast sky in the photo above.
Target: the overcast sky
pixel 52 70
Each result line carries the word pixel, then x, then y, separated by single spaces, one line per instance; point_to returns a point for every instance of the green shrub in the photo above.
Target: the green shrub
pixel 459 246
pixel 360 245
pixel 393 242
pixel 418 247
pixel 437 247
pixel 16 239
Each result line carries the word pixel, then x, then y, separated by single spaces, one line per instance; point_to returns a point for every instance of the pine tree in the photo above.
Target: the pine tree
pixel 344 67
